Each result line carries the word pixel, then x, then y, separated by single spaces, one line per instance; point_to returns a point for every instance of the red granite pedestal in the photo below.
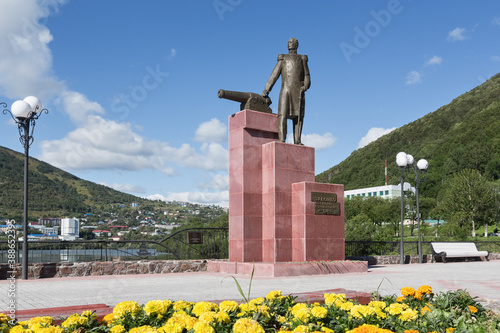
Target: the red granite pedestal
pixel 275 227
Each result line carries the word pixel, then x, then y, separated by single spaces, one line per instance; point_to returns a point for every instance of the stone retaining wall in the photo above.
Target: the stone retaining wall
pixel 67 269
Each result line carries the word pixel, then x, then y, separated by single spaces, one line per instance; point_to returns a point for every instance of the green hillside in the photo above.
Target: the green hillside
pixel 463 134
pixel 54 192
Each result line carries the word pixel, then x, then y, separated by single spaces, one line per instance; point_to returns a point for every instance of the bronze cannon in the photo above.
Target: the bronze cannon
pixel 248 100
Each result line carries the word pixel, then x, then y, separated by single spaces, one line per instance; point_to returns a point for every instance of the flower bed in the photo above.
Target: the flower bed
pixel 414 312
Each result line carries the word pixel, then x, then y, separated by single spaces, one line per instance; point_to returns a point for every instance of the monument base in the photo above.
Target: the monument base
pixel 277 269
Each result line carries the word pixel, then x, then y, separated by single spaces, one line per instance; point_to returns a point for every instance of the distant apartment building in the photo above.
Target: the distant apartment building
pixel 70 229
pixel 385 192
pixel 49 221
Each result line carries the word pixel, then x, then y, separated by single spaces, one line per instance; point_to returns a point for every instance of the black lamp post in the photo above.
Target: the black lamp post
pixel 25 113
pixel 421 167
pixel 403 161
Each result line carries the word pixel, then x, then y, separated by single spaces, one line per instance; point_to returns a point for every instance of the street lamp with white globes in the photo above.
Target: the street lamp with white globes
pixel 403 161
pixel 25 113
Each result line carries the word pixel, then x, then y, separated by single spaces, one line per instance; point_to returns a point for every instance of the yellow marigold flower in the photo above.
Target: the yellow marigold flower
pixel 131 307
pixel 331 298
pixel 301 329
pixel 365 328
pixel 408 315
pixel 407 291
pixel 89 314
pixel 425 289
pixel 472 309
pixel 223 317
pixel 18 329
pixel 171 328
pixel 257 301
pixel 208 317
pixel 118 329
pixel 183 319
pixel 250 307
pixel 228 306
pixel 49 329
pixel 400 299
pixel 36 322
pixel 181 305
pixel 302 314
pixel 245 325
pixel 158 307
pixel 450 330
pixel 4 318
pixel 74 321
pixel 281 319
pixel 319 312
pixel 425 309
pixel 380 313
pixel 143 329
pixel 201 327
pixel 273 295
pixel 202 307
pixel 327 330
pixel 346 306
pixel 410 331
pixel 377 304
pixel 359 311
pixel 396 308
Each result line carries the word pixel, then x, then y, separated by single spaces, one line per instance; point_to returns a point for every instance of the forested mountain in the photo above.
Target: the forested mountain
pixel 465 134
pixel 54 192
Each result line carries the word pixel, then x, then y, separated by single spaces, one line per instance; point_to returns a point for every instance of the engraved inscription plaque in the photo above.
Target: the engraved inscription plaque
pixel 325 203
pixel 195 237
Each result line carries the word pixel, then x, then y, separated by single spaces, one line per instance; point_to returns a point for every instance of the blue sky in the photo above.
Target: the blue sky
pixel 131 86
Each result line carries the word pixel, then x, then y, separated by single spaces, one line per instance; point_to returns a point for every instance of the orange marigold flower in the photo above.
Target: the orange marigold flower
pixel 407 291
pixel 400 299
pixel 425 309
pixel 410 331
pixel 365 328
pixel 472 309
pixel 425 289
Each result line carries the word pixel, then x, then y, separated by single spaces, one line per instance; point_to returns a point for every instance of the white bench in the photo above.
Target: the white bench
pixel 456 250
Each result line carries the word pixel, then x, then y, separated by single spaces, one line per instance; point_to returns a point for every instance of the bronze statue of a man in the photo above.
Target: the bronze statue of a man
pixel 295 80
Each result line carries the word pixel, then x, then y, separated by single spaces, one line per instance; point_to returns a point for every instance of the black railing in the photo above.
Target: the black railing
pixel 194 243
pixel 207 243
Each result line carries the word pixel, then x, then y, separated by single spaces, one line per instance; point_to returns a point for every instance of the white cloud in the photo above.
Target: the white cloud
pixel 128 188
pixel 204 198
pixel 413 77
pixel 496 21
pixel 211 131
pixel 457 34
pixel 373 134
pixel 217 183
pixel 435 60
pixel 319 142
pixel 173 53
pixel 495 58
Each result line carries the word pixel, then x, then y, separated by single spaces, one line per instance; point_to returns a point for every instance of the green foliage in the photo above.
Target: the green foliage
pixel 469 199
pixel 464 134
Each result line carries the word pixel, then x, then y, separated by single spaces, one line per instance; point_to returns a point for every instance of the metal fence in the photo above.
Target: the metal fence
pixel 194 243
pixel 381 248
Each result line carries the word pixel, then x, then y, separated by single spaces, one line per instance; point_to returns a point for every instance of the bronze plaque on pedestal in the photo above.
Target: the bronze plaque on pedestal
pixel 325 203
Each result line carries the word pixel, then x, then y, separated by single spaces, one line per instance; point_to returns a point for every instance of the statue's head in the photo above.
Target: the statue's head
pixel 293 44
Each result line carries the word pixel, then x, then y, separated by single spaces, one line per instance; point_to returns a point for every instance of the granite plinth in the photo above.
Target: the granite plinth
pixel 277 269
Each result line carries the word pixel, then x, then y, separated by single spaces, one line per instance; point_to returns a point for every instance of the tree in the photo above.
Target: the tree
pixel 469 198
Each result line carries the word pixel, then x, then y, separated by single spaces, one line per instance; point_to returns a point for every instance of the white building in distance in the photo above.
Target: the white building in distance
pixel 385 192
pixel 70 229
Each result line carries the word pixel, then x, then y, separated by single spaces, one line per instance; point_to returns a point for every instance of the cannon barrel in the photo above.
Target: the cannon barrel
pixel 241 97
